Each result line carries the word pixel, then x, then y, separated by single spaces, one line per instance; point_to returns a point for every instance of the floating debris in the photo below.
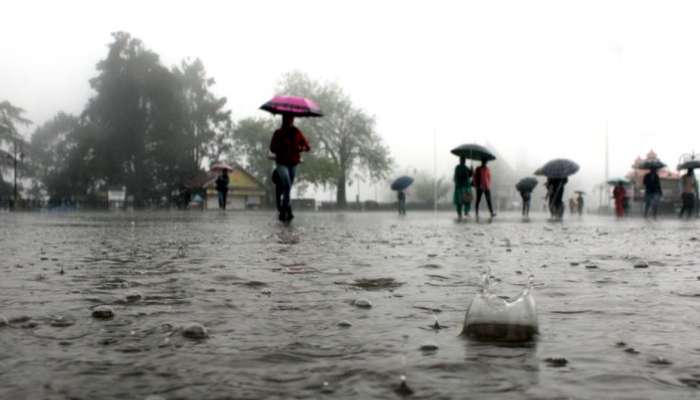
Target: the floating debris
pixel 556 361
pixel 195 331
pixel 429 347
pixel 491 318
pixel 103 312
pixel 403 389
pixel 620 344
pixel 3 321
pixel 266 292
pixel 658 360
pixel 61 321
pixel 641 264
pixel 591 266
pixel 362 303
pixel 344 324
pixel 631 350
pixel 133 296
pixel 376 283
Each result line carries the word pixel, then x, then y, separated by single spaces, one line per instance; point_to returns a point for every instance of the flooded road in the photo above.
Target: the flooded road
pixel 341 306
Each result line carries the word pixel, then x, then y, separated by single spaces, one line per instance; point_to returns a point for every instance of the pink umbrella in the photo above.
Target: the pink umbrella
pixel 221 166
pixel 293 105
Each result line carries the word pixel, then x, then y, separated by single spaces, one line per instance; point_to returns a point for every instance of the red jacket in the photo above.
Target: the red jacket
pixel 287 144
pixel 619 193
pixel 482 178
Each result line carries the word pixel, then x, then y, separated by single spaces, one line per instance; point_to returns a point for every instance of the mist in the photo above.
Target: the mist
pixel 536 81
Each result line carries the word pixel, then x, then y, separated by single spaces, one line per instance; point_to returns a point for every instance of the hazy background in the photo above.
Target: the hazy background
pixel 537 79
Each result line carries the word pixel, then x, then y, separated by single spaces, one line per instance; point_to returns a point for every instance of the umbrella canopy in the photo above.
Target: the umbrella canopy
pixel 651 164
pixel 473 151
pixel 579 192
pixel 615 181
pixel 690 164
pixel 221 166
pixel 526 184
pixel 292 105
pixel 401 183
pixel 558 168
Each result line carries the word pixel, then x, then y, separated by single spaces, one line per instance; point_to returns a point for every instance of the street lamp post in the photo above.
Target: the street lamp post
pixel 14 162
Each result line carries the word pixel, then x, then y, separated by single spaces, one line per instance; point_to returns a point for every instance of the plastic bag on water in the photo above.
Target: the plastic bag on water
pixel 492 318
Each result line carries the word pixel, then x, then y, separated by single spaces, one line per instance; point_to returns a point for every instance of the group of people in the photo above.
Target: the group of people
pixel 653 194
pixel 464 179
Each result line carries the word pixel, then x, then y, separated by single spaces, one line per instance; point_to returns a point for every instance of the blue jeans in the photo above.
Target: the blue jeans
pixel 651 201
pixel 222 200
pixel 283 188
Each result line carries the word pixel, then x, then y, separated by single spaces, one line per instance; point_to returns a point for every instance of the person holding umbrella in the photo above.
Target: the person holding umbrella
pixel 400 185
pixel 525 187
pixel 222 188
pixel 652 188
pixel 287 144
pixel 482 181
pixel 557 171
pixel 463 190
pixel 689 189
pixel 619 194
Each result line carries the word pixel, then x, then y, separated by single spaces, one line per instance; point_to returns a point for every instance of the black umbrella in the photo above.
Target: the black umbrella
pixel 651 164
pixel 473 152
pixel 615 181
pixel 690 164
pixel 558 168
pixel 526 184
pixel 401 183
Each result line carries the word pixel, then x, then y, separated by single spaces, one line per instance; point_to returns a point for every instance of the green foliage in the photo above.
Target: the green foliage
pixel 343 140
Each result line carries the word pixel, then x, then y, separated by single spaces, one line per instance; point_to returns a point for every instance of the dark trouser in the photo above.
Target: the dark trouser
pixel 283 186
pixel 688 204
pixel 402 206
pixel 222 199
pixel 526 207
pixel 651 202
pixel 487 194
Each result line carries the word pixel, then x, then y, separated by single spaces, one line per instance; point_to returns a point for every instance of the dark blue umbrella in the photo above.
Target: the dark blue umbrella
pixel 526 184
pixel 401 183
pixel 558 168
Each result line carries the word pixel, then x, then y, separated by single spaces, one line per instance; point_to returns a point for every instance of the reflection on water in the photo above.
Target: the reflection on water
pixel 213 305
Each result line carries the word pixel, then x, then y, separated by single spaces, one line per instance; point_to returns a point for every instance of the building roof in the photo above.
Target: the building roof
pixel 239 180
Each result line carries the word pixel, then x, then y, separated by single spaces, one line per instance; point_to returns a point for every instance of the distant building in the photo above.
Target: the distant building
pixel 244 191
pixel 669 184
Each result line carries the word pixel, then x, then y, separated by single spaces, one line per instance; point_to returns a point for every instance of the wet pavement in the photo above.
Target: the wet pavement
pixel 207 305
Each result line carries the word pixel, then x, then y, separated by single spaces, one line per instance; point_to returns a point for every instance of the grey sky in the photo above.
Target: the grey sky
pixel 534 78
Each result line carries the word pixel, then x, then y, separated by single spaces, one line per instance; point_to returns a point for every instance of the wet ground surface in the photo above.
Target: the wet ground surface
pixel 341 306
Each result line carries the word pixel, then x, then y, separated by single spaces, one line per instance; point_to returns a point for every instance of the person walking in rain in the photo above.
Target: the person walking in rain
pixel 579 203
pixel 222 188
pixel 482 181
pixel 619 194
pixel 689 189
pixel 463 191
pixel 526 196
pixel 401 195
pixel 556 196
pixel 652 192
pixel 287 143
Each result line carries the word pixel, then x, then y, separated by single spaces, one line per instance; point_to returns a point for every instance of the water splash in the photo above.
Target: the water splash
pixel 492 318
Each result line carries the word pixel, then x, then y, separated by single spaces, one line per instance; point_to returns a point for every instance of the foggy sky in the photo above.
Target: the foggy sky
pixel 536 79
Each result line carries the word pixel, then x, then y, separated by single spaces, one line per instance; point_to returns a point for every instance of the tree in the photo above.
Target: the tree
pixel 11 143
pixel 342 140
pixel 49 151
pixel 209 126
pixel 154 126
pixel 252 138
